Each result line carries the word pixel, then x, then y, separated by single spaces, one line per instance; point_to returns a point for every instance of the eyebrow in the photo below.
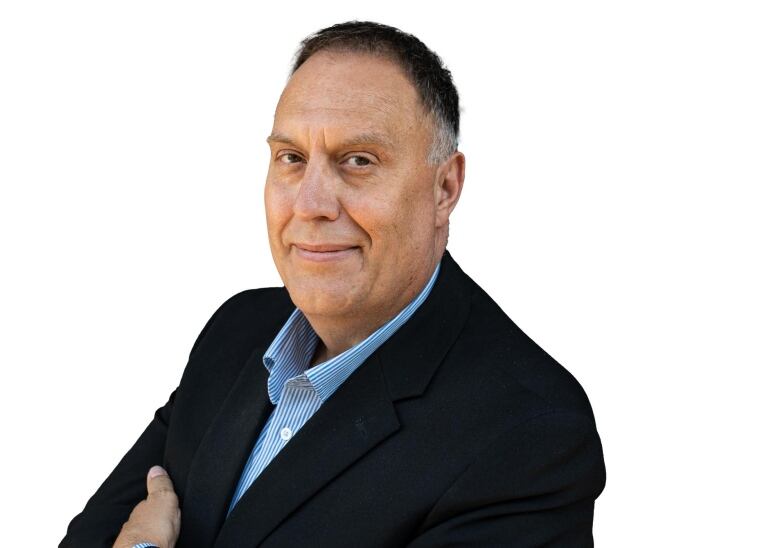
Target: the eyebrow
pixel 367 138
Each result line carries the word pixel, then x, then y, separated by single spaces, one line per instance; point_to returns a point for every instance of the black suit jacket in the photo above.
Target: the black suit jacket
pixel 458 430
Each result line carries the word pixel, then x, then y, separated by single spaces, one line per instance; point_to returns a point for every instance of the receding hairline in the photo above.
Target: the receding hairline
pixel 435 90
pixel 391 57
pixel 334 50
pixel 422 114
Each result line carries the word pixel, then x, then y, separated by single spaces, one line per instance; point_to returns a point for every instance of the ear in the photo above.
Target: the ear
pixel 449 184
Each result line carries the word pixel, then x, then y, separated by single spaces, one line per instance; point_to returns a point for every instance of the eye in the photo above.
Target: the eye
pixel 290 158
pixel 359 161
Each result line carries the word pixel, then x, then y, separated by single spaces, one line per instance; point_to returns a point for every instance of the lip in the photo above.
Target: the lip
pixel 323 252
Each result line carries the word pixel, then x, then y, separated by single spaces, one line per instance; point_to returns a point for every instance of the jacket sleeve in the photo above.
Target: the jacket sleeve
pixel 533 486
pixel 99 523
pixel 107 510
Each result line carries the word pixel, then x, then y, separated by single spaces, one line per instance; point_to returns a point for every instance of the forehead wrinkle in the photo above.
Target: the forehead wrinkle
pixel 368 138
pixel 362 138
pixel 369 118
pixel 358 126
pixel 391 116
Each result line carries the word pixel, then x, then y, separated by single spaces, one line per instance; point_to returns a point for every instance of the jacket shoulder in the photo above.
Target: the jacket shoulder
pixel 247 302
pixel 246 310
pixel 242 322
pixel 505 351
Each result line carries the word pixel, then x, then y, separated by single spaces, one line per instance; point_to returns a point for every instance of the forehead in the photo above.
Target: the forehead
pixel 344 91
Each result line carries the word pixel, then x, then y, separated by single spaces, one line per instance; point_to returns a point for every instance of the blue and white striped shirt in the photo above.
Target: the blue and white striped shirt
pixel 297 392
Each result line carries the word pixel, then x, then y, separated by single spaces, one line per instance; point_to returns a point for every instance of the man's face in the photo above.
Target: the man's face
pixel 350 200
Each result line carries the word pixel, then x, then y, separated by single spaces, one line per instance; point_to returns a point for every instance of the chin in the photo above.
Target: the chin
pixel 323 299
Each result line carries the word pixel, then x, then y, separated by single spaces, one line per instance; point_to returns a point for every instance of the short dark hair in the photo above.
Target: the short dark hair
pixel 422 66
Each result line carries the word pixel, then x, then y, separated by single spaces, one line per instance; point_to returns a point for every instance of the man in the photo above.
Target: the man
pixel 379 398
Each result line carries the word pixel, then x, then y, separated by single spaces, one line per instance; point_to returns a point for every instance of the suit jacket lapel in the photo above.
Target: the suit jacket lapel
pixel 354 419
pixel 357 417
pixel 413 354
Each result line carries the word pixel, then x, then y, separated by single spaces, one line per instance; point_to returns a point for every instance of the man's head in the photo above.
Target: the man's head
pixel 363 159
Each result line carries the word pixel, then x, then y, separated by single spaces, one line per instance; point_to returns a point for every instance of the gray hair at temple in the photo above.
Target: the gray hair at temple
pixel 422 66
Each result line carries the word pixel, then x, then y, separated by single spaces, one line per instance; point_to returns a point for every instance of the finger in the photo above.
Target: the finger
pixel 157 480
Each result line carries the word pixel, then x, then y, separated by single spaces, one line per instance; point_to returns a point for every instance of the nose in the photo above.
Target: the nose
pixel 317 191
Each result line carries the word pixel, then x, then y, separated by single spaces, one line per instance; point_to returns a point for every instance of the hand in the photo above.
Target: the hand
pixel 156 519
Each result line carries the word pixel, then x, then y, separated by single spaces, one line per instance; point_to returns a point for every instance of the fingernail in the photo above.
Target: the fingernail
pixel 155 471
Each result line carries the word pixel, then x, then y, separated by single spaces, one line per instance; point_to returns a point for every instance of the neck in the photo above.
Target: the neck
pixel 339 334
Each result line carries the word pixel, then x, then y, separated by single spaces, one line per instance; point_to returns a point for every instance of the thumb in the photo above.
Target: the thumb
pixel 157 480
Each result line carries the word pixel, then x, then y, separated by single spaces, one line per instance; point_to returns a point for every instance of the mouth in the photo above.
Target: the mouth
pixel 323 252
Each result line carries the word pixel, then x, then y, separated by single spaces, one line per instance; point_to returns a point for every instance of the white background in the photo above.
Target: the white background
pixel 621 205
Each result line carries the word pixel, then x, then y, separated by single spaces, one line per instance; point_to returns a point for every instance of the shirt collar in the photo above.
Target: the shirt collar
pixel 291 351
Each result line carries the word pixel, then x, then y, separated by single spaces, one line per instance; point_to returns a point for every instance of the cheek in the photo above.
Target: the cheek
pixel 413 223
pixel 374 212
pixel 279 202
pixel 392 222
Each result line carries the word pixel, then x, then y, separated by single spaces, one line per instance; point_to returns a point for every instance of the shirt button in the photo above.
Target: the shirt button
pixel 285 433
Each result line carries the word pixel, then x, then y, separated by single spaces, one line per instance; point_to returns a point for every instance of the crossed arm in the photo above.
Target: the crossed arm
pixel 533 486
pixel 111 505
pixel 98 525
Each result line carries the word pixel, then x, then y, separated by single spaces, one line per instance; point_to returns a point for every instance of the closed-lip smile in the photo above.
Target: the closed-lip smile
pixel 323 247
pixel 323 252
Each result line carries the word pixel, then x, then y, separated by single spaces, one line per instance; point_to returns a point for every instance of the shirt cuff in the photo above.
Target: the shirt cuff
pixel 145 545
